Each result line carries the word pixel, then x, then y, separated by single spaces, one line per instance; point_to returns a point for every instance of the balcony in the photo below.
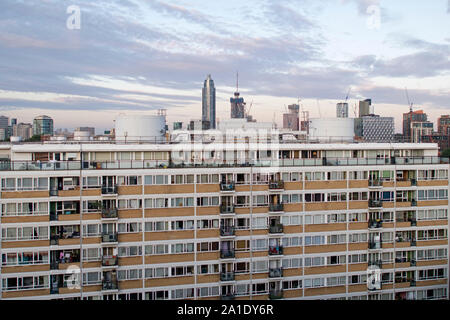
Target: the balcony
pixel 109 237
pixel 227 231
pixel 227 187
pixel 413 243
pixel 375 245
pixel 227 254
pixel 375 183
pixel 276 185
pixel 278 228
pixel 413 222
pixel 375 203
pixel 228 296
pixel 109 213
pixel 109 261
pixel 227 276
pixel 376 263
pixel 110 285
pixel 54 265
pixel 375 224
pixel 275 272
pixel 413 262
pixel 413 203
pixel 276 207
pixel 109 190
pixel 276 251
pixel 224 209
pixel 275 294
pixel 53 192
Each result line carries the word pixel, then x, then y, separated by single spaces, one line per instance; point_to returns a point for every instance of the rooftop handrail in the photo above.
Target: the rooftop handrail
pixel 20 165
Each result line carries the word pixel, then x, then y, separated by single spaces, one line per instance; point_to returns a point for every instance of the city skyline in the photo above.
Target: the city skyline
pixel 128 57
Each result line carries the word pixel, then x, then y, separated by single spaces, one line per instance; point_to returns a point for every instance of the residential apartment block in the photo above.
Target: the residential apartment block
pixel 286 221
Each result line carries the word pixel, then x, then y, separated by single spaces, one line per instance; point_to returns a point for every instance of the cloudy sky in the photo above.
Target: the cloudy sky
pixel 136 56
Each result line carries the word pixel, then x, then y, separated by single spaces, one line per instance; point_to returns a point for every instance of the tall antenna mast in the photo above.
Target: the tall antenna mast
pixel 237 81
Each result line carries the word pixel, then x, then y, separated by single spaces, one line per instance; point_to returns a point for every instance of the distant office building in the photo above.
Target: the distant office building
pixel 4 128
pixel 410 118
pixel 43 125
pixel 13 122
pixel 209 102
pixel 291 119
pixel 91 130
pixel 420 129
pixel 342 110
pixel 23 130
pixel 365 108
pixel 198 125
pixel 374 128
pixel 443 123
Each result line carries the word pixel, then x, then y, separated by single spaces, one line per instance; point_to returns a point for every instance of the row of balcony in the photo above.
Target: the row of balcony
pixel 8 165
pixel 376 203
pixel 377 223
pixel 226 231
pixel 273 295
pixel 379 182
pixel 230 253
pixel 230 275
pixel 230 209
pixel 273 185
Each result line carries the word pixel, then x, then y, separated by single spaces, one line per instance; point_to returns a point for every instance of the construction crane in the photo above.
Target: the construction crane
pixel 410 104
pixel 348 92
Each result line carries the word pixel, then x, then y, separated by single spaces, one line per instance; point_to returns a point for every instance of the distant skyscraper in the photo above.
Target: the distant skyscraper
pixel 209 102
pixel 43 125
pixel 365 108
pixel 342 110
pixel 408 120
pixel 291 119
pixel 237 104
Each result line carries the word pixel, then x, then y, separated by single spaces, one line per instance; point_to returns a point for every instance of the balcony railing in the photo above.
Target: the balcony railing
pixel 53 192
pixel 413 203
pixel 110 285
pixel 54 265
pixel 109 261
pixel 109 190
pixel 148 164
pixel 228 296
pixel 278 228
pixel 275 272
pixel 227 231
pixel 227 186
pixel 227 254
pixel 227 276
pixel 375 203
pixel 375 245
pixel 275 250
pixel 226 209
pixel 276 185
pixel 109 237
pixel 375 183
pixel 276 207
pixel 376 263
pixel 109 213
pixel 375 224
pixel 276 294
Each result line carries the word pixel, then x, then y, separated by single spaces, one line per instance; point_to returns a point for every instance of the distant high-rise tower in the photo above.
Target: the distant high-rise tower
pixel 237 104
pixel 209 102
pixel 365 108
pixel 342 110
pixel 291 119
pixel 43 125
